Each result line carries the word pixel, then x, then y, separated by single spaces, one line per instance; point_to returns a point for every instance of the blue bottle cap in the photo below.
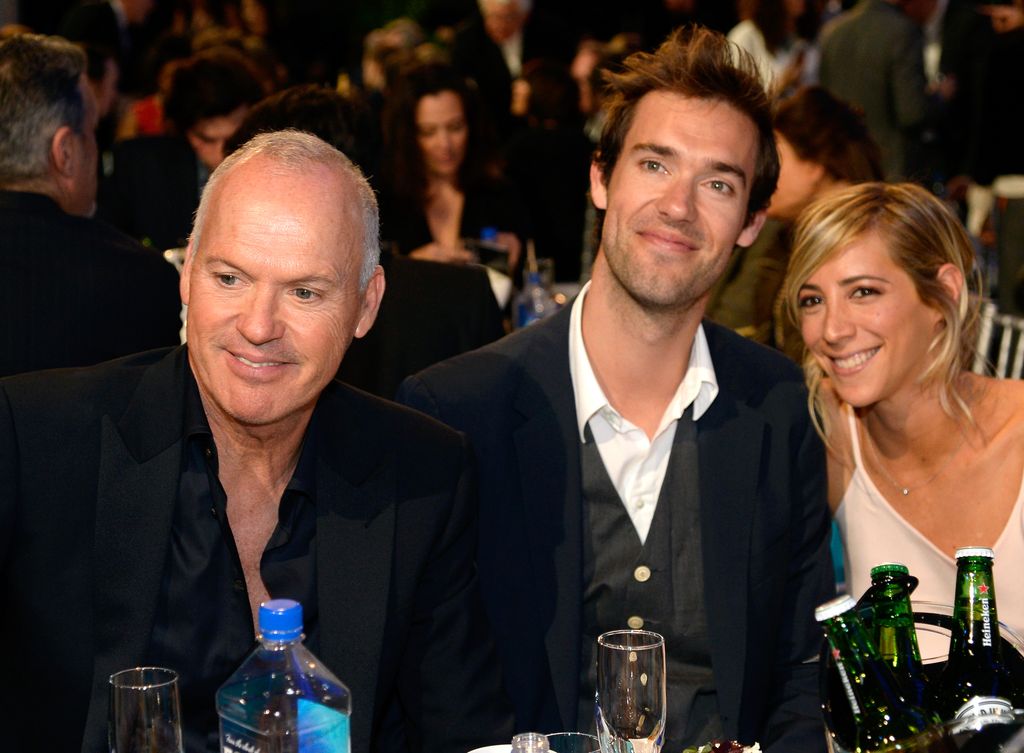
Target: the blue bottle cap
pixel 488 233
pixel 281 620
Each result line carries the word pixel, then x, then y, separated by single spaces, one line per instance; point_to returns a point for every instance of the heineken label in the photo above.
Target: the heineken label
pixel 846 682
pixel 986 617
pixel 983 706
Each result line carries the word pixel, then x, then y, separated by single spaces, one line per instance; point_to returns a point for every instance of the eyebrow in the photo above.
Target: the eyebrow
pixel 314 279
pixel 848 281
pixel 715 165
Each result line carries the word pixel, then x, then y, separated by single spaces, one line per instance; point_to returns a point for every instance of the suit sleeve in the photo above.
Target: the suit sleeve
pixel 795 723
pixel 909 97
pixel 414 393
pixel 450 684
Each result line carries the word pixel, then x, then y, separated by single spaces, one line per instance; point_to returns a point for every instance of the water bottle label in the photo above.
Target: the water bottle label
pixel 321 729
pixel 984 706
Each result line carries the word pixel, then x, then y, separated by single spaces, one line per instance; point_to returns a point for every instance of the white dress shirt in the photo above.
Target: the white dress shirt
pixel 635 464
pixel 512 51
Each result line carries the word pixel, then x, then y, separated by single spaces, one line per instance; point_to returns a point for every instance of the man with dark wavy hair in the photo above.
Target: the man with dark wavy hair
pixel 641 468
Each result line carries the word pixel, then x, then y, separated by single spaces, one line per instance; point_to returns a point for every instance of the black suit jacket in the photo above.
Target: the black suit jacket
pixel 476 55
pixel 89 466
pixel 764 526
pixel 430 312
pixel 96 23
pixel 75 291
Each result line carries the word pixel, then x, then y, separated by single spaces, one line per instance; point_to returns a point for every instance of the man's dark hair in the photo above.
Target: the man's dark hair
pixel 210 84
pixel 341 121
pixel 831 133
pixel 39 78
pixel 702 64
pixel 554 94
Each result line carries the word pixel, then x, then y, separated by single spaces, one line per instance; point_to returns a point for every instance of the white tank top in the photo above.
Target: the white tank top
pixel 873 532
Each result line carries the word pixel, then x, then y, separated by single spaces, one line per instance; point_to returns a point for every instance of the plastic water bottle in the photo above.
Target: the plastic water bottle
pixel 533 302
pixel 282 699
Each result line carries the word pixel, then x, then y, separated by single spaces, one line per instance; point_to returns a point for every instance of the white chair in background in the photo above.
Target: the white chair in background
pixel 1000 350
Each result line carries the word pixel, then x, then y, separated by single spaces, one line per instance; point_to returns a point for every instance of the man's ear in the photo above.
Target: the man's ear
pixel 371 302
pixel 752 229
pixel 598 190
pixel 185 280
pixel 64 152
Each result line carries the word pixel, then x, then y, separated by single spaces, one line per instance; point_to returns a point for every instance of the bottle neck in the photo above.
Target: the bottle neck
pixel 976 628
pixel 893 625
pixel 276 644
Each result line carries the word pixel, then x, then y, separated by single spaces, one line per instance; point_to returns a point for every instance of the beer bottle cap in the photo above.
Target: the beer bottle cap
pixel 897 568
pixel 834 607
pixel 975 551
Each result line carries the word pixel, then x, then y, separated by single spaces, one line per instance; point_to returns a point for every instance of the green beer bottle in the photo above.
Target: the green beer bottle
pixel 884 719
pixel 975 681
pixel 893 629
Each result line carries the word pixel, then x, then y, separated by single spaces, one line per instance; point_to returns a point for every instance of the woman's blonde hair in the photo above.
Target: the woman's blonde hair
pixel 921 235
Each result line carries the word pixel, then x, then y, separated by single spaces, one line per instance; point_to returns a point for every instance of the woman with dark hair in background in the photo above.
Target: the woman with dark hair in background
pixel 439 182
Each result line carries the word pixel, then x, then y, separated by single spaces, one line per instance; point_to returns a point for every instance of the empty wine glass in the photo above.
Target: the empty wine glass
pixel 630 699
pixel 145 712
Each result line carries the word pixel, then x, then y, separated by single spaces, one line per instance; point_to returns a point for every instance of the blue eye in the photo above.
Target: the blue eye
pixel 721 186
pixel 304 294
pixel 227 280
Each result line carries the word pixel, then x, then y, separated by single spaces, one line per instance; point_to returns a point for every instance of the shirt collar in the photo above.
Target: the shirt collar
pixel 699 386
pixel 122 18
pixel 197 428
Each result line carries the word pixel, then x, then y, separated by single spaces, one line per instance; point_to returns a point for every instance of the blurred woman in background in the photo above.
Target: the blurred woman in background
pixel 439 183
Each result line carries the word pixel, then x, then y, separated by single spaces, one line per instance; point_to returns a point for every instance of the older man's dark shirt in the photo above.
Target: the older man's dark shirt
pixel 203 627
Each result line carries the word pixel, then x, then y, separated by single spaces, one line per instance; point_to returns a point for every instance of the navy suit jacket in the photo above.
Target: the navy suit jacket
pixel 89 468
pixel 764 523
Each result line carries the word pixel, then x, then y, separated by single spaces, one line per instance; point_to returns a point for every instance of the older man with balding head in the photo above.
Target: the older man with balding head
pixel 198 482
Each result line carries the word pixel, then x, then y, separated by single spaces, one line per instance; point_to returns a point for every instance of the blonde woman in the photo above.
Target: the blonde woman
pixel 924 456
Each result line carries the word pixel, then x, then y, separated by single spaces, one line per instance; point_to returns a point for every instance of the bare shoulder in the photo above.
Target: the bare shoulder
pixel 1000 407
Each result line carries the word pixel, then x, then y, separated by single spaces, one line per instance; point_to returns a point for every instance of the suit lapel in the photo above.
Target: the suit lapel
pixel 547 452
pixel 729 438
pixel 140 461
pixel 355 533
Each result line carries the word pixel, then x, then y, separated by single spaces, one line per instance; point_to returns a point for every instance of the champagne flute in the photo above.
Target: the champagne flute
pixel 630 698
pixel 145 712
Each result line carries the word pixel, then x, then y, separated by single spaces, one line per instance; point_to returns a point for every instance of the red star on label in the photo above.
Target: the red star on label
pixel 835 654
pixel 983 589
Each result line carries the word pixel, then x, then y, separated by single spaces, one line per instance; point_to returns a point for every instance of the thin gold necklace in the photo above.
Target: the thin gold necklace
pixel 905 490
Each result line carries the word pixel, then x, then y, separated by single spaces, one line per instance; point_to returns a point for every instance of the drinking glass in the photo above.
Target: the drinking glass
pixel 145 713
pixel 572 742
pixel 630 699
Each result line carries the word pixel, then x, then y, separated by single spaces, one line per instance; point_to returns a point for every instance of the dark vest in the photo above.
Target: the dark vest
pixel 659 582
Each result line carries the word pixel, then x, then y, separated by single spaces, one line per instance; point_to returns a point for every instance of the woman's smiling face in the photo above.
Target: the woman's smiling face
pixel 864 322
